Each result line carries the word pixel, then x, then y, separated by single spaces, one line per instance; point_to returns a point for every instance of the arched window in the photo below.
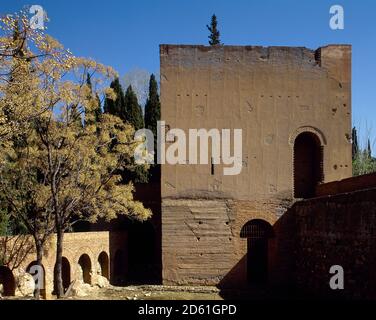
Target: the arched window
pixel 85 264
pixel 308 164
pixel 65 274
pixel 258 232
pixel 104 264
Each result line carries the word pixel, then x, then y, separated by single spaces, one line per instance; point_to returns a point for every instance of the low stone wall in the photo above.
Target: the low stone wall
pixel 336 230
pixel 362 182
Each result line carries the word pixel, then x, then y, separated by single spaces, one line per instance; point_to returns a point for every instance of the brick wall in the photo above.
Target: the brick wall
pixel 336 230
pixel 347 185
pixel 21 252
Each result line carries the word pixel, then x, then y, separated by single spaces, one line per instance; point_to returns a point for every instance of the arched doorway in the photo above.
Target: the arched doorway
pixel 308 164
pixel 39 276
pixel 8 281
pixel 65 274
pixel 258 232
pixel 104 264
pixel 119 268
pixel 85 264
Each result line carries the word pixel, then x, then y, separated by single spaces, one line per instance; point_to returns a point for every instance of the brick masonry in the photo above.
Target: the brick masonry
pixel 336 230
pixel 21 248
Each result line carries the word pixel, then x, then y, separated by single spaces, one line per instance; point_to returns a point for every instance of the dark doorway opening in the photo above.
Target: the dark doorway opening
pixel 308 165
pixel 85 264
pixel 104 264
pixel 119 268
pixel 8 281
pixel 258 232
pixel 142 264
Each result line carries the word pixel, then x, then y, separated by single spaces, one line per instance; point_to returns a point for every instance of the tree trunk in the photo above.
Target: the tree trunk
pixel 40 284
pixel 58 266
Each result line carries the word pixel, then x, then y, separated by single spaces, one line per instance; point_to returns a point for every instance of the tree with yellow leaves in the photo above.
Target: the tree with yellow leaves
pixel 60 169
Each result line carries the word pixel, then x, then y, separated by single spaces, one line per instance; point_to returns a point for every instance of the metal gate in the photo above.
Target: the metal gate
pixel 257 233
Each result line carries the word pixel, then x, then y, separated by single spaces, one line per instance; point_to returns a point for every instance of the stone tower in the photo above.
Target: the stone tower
pixel 294 108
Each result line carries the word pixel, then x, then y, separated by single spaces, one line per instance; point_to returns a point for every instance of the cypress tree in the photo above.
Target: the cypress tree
pixel 369 151
pixel 214 33
pixel 133 115
pixel 152 115
pixel 355 145
pixel 115 107
pixel 98 108
pixel 133 111
pixel 152 108
pixel 75 115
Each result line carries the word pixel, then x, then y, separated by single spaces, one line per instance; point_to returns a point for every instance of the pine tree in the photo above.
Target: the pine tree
pixel 214 33
pixel 116 107
pixel 355 145
pixel 133 112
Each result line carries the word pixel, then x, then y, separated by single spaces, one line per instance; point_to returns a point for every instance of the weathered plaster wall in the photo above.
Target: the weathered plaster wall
pixel 273 94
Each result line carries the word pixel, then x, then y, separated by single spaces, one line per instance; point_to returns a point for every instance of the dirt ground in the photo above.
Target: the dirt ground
pixel 159 292
pixel 153 293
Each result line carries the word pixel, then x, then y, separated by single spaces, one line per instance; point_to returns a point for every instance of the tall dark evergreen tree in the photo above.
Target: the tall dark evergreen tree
pixel 369 151
pixel 98 109
pixel 133 111
pixel 116 107
pixel 214 33
pixel 152 115
pixel 355 145
pixel 152 108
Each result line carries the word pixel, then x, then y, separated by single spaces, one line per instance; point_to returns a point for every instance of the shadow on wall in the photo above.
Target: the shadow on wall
pixel 135 247
pixel 65 273
pixel 310 238
pixel 266 271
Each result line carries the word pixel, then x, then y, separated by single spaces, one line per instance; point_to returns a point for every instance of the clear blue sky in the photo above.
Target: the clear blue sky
pixel 126 34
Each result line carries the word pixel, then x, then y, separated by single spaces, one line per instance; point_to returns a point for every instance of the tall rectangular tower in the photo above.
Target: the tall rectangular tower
pixel 293 106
